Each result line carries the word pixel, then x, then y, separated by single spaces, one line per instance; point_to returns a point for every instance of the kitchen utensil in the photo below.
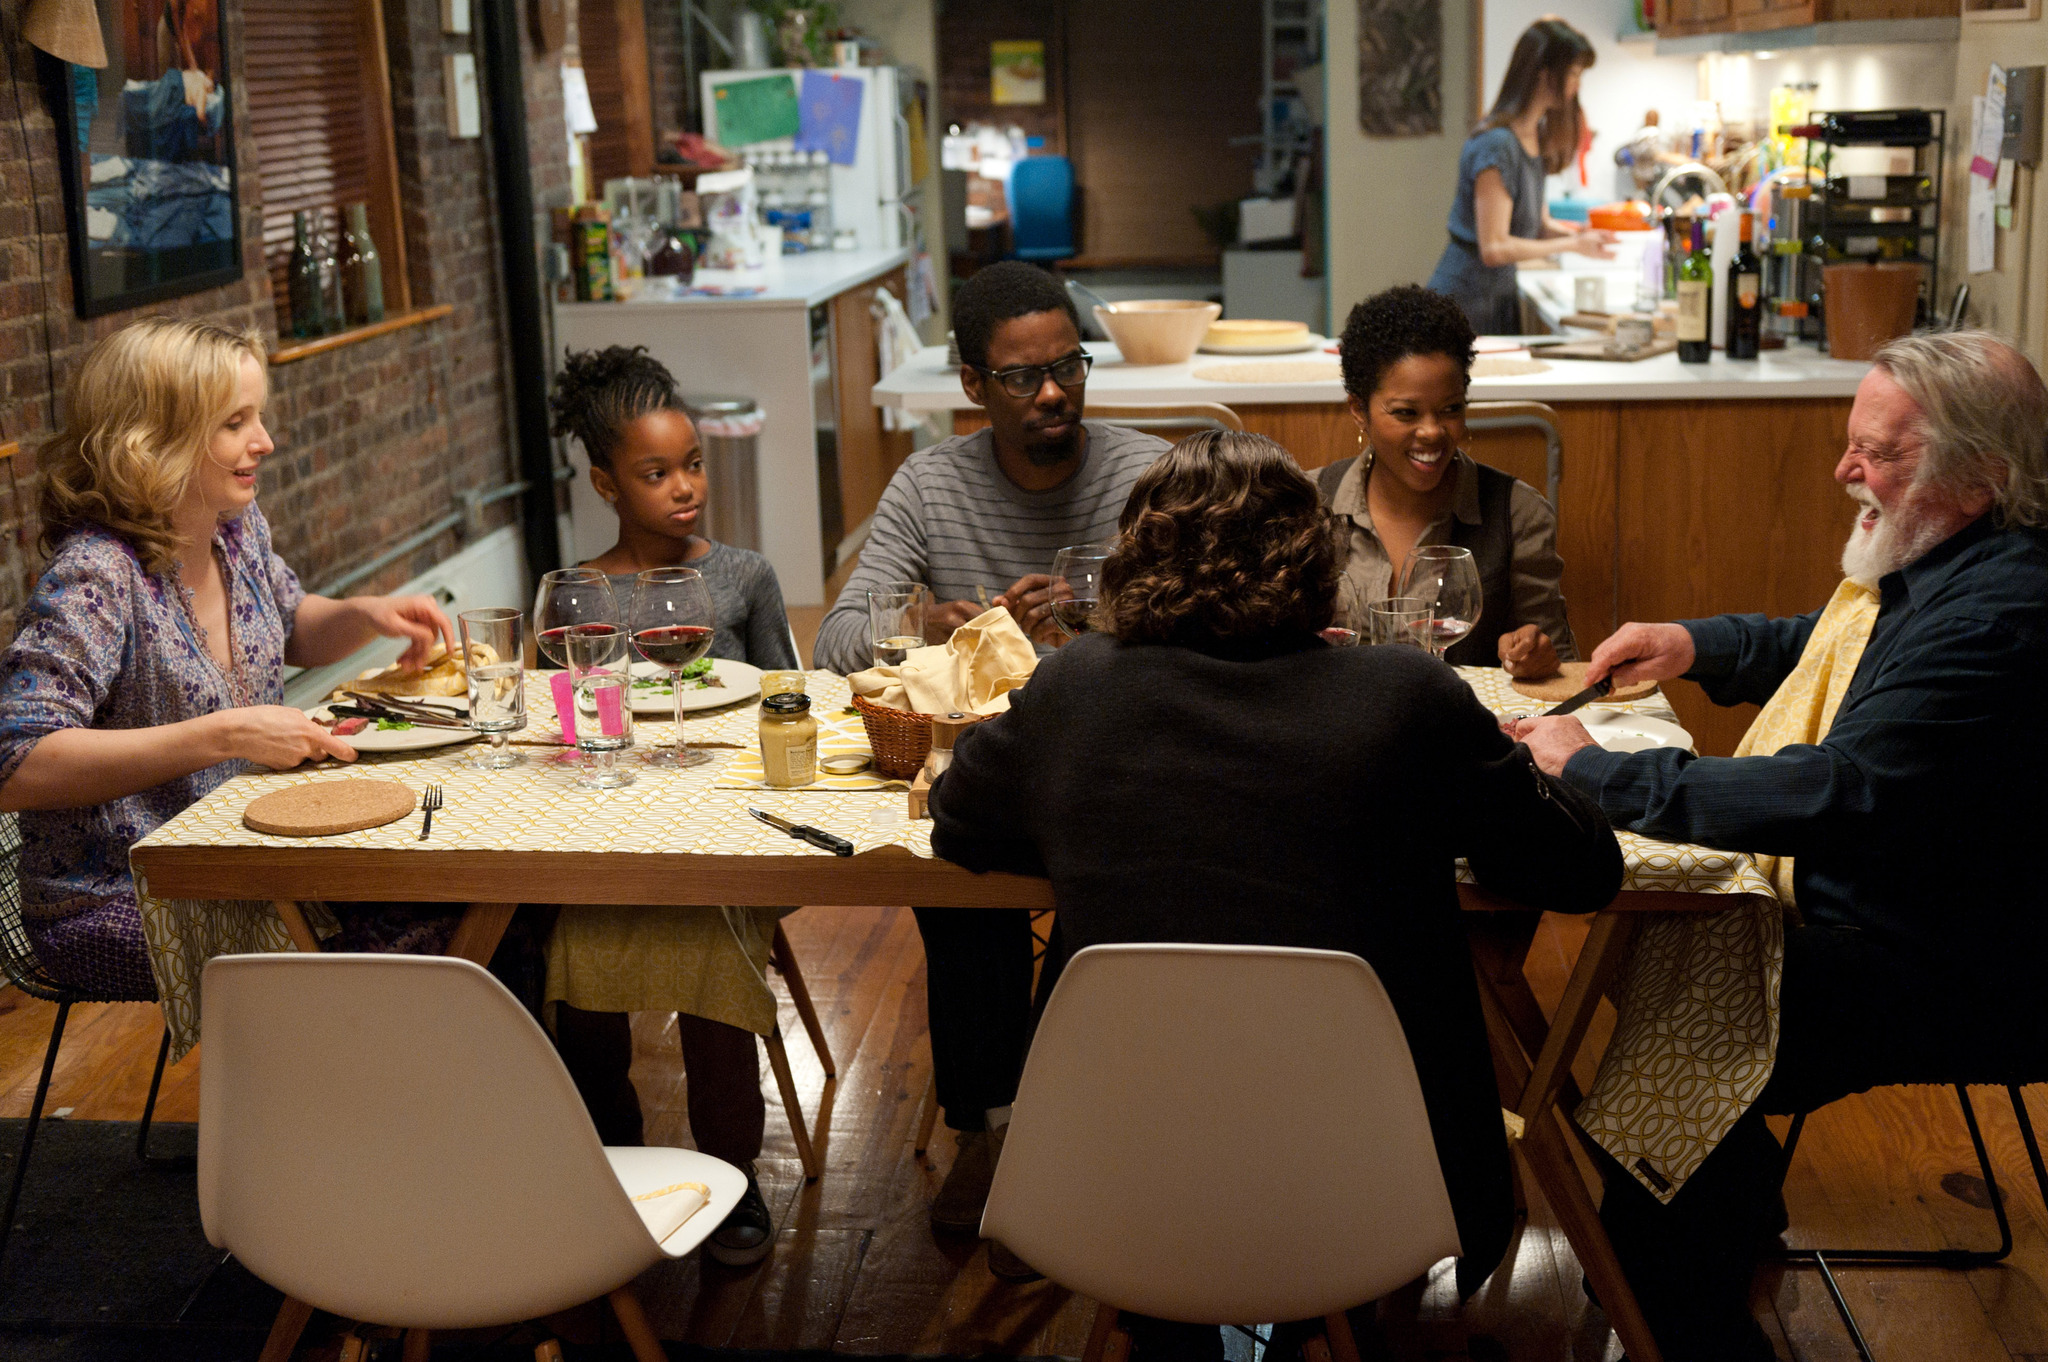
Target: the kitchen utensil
pixel 1597 691
pixel 1250 336
pixel 1599 349
pixel 1960 306
pixel 1094 298
pixel 1619 732
pixel 804 832
pixel 1158 330
pixel 430 801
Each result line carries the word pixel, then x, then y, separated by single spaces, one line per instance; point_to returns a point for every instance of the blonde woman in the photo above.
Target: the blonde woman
pixel 148 665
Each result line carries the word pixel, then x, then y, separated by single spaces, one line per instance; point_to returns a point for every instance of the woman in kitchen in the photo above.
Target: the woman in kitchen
pixel 1499 218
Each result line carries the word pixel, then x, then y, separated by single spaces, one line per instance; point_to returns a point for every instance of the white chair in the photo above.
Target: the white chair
pixel 392 1139
pixel 1221 1135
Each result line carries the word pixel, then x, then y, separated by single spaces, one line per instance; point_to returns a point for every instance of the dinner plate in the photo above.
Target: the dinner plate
pixel 373 739
pixel 1288 347
pixel 742 682
pixel 1621 732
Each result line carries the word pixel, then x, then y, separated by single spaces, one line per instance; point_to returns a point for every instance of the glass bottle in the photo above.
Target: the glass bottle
pixel 362 272
pixel 1745 296
pixel 332 314
pixel 1696 300
pixel 302 279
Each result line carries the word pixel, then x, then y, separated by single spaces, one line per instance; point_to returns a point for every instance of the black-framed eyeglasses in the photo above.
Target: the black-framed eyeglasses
pixel 1026 379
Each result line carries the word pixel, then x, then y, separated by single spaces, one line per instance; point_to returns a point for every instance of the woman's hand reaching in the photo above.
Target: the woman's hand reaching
pixel 414 618
pixel 1528 653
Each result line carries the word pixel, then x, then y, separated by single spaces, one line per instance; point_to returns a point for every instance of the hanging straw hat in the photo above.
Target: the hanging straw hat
pixel 68 30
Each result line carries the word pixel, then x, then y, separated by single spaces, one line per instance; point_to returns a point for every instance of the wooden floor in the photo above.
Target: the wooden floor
pixel 857 1269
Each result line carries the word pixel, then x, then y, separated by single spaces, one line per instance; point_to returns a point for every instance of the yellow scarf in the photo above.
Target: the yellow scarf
pixel 1803 707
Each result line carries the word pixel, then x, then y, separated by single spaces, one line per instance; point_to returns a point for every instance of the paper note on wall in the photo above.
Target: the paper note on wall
pixel 576 110
pixel 1983 226
pixel 757 110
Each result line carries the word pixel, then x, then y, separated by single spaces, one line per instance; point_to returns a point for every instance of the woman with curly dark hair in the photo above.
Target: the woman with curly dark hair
pixel 1407 361
pixel 1203 767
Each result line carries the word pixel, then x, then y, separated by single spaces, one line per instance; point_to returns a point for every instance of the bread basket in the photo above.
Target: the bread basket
pixel 900 738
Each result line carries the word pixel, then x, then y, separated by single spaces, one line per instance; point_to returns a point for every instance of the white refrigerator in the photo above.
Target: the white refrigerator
pixel 870 196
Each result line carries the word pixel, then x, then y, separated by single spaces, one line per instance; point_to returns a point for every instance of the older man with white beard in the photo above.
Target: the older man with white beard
pixel 1901 823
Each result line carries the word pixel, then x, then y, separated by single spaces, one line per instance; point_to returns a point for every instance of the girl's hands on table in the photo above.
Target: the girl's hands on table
pixel 1528 652
pixel 416 619
pixel 277 736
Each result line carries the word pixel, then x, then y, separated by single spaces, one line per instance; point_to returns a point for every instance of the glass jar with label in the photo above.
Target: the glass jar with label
pixel 789 740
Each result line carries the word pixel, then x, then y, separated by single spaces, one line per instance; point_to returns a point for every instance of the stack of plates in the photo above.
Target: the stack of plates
pixel 1257 338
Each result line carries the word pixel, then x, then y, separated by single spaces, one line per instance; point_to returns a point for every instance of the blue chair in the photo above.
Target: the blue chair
pixel 1042 209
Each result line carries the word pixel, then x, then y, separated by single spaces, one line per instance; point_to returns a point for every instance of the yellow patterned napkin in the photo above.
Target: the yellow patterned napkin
pixel 973 672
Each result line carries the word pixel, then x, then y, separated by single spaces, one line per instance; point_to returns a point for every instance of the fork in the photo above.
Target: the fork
pixel 430 801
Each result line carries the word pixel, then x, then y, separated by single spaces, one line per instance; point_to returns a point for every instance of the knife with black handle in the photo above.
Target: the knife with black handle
pixel 803 832
pixel 1597 691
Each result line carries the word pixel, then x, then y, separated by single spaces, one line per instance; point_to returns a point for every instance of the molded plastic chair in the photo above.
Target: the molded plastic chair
pixel 1141 1166
pixel 1042 209
pixel 392 1139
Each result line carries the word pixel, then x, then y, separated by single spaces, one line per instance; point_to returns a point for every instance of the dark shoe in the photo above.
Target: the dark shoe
pixel 1006 1266
pixel 747 1234
pixel 958 1206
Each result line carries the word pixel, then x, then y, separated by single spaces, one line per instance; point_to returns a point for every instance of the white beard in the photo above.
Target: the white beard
pixel 1897 539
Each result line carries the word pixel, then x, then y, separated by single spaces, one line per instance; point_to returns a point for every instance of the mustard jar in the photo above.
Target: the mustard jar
pixel 789 740
pixel 782 682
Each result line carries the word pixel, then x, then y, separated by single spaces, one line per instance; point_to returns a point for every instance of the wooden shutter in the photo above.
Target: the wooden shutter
pixel 320 114
pixel 611 36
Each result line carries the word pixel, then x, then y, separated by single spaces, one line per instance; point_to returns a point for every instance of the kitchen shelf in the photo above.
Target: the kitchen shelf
pixel 1844 33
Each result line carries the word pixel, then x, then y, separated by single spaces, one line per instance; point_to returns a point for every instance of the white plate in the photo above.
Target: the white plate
pixel 742 682
pixel 1274 348
pixel 406 739
pixel 1620 732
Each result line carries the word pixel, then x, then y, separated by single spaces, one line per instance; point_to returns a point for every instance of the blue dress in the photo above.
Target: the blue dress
pixel 1487 292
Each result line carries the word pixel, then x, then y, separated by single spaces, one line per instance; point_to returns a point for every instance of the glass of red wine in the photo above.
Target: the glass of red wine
pixel 569 600
pixel 1446 578
pixel 1077 586
pixel 672 620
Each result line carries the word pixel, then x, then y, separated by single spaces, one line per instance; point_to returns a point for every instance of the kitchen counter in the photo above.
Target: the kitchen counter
pixel 806 280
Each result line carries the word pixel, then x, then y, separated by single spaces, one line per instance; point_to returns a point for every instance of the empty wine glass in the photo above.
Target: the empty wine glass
pixel 1447 580
pixel 673 619
pixel 494 652
pixel 600 670
pixel 896 620
pixel 1398 619
pixel 1076 587
pixel 570 599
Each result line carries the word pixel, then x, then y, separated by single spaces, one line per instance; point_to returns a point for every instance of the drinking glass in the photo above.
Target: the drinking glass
pixel 497 689
pixel 600 672
pixel 570 599
pixel 1446 578
pixel 1077 586
pixel 1399 619
pixel 672 620
pixel 896 616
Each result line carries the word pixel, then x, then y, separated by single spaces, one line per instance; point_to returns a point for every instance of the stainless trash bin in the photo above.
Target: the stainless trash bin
pixel 729 429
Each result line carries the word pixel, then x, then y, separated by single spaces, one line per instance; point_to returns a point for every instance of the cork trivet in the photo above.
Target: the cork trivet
pixel 1507 366
pixel 1271 371
pixel 1570 680
pixel 327 807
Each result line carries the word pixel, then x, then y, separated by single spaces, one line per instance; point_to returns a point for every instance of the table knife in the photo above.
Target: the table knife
pixel 817 837
pixel 1597 691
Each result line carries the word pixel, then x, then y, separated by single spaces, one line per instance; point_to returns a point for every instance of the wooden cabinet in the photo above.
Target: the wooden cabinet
pixel 1686 18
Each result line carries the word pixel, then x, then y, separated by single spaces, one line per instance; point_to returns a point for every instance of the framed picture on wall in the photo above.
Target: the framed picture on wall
pixel 148 150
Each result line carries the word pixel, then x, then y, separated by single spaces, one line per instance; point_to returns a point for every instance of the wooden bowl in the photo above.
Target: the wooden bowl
pixel 1158 330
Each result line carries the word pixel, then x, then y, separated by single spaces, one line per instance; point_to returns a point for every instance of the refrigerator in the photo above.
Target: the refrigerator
pixel 871 195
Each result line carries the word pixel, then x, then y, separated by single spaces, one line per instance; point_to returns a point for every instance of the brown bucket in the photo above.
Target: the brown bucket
pixel 1869 304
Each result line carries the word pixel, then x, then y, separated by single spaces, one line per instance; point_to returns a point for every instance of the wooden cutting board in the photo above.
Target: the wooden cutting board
pixel 327 807
pixel 1663 345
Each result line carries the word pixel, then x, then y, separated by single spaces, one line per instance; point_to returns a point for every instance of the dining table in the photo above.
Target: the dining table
pixel 1687 940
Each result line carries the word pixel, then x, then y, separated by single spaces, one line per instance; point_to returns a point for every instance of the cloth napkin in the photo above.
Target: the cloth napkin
pixel 665 1209
pixel 973 672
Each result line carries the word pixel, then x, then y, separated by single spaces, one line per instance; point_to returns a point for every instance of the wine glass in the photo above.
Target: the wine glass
pixel 1447 580
pixel 672 619
pixel 569 599
pixel 1076 587
pixel 497 687
pixel 1398 619
pixel 603 678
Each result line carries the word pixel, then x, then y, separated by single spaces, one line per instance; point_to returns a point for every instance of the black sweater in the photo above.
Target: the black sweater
pixel 1311 796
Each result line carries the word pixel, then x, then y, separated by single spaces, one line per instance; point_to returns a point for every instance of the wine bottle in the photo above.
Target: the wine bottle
pixel 1695 300
pixel 1745 296
pixel 302 280
pixel 332 312
pixel 362 273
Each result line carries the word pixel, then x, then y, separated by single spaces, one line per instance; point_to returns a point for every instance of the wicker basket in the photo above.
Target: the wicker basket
pixel 900 738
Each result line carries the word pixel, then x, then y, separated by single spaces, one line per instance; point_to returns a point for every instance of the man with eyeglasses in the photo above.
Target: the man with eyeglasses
pixel 979 516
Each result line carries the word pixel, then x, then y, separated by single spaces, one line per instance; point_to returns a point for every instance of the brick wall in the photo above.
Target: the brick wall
pixel 375 439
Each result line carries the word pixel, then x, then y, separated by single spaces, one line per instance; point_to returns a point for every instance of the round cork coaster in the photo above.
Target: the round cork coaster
pixel 1570 680
pixel 327 807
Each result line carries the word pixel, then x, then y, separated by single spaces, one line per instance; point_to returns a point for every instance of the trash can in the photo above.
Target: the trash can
pixel 729 429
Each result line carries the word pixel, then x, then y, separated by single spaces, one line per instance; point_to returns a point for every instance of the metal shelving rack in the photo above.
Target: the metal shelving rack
pixel 1293 32
pixel 1902 223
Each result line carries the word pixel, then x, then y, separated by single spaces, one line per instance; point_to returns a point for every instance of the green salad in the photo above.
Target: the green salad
pixel 392 725
pixel 696 676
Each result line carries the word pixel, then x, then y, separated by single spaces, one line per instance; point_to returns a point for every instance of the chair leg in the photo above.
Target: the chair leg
pixel 633 1321
pixel 927 1116
pixel 778 1060
pixel 285 1330
pixel 419 1346
pixel 156 1082
pixel 1337 1328
pixel 1108 1341
pixel 784 960
pixel 35 1120
pixel 2019 1111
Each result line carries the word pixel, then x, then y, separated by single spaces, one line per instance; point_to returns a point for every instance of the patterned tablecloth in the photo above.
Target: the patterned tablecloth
pixel 1698 1001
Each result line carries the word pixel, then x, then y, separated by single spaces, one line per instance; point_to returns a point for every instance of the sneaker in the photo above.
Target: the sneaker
pixel 747 1234
pixel 964 1194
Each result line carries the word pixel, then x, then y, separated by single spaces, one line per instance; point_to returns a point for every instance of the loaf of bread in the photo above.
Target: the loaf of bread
pixel 443 674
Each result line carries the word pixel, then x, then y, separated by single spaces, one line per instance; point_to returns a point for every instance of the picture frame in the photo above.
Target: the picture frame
pixel 147 146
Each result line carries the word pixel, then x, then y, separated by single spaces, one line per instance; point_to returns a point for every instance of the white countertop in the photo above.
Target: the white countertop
pixel 806 281
pixel 927 383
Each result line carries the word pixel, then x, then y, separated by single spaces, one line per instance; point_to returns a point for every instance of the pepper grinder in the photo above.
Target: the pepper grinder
pixel 945 729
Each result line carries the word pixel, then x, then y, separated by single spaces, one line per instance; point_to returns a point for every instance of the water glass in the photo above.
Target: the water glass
pixel 494 646
pixel 896 618
pixel 570 599
pixel 1399 620
pixel 603 679
pixel 1076 587
pixel 1447 579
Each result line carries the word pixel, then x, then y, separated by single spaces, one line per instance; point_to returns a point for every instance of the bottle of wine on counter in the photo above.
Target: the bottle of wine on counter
pixel 1695 300
pixel 1745 296
pixel 302 278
